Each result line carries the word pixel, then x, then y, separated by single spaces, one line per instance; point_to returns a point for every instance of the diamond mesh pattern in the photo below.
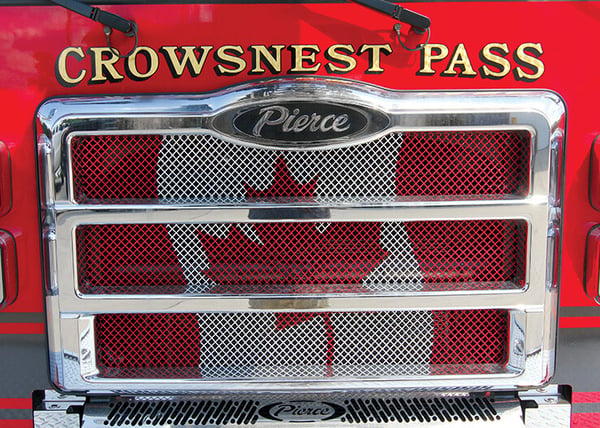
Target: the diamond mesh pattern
pixel 297 258
pixel 199 168
pixel 463 163
pixel 139 257
pixel 468 252
pixel 242 345
pixel 456 347
pixel 157 345
pixel 116 167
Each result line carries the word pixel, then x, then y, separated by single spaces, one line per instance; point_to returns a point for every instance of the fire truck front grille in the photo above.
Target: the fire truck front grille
pixel 237 345
pixel 301 257
pixel 376 240
pixel 200 168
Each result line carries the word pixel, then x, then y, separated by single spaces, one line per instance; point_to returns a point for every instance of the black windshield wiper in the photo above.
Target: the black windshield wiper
pixel 420 23
pixel 105 18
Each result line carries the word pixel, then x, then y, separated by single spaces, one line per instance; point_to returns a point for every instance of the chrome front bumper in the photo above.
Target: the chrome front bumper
pixel 548 407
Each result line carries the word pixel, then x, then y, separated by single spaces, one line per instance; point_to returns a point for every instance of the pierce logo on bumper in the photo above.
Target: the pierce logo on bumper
pixel 301 411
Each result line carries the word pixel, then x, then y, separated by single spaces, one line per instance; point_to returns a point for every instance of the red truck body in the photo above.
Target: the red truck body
pixel 47 51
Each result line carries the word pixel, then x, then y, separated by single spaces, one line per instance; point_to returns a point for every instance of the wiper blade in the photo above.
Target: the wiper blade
pixel 420 23
pixel 106 18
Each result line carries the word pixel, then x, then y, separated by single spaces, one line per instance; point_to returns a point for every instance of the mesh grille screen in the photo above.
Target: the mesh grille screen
pixel 115 167
pixel 238 345
pixel 294 258
pixel 202 168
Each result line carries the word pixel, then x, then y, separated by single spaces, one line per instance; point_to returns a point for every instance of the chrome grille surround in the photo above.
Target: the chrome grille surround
pixel 530 309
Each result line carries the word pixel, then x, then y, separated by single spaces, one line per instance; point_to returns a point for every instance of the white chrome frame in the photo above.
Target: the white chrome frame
pixel 532 310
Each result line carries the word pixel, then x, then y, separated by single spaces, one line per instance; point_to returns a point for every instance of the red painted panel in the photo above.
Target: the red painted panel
pixel 22 328
pixel 579 322
pixel 5 180
pixel 585 420
pixel 15 403
pixel 34 37
pixel 16 423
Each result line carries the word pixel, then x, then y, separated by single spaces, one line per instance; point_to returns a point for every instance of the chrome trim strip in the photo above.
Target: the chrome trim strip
pixel 87 349
pixel 431 300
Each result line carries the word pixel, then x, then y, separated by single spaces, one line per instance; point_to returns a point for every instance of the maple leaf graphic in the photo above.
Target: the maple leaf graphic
pixel 294 257
pixel 284 187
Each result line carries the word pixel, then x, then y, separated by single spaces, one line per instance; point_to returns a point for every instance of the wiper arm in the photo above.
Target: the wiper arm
pixel 106 18
pixel 420 23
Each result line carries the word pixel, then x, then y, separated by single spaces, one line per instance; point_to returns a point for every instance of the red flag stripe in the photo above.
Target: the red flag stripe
pixel 585 420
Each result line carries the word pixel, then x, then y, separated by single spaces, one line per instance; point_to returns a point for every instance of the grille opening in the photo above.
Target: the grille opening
pixel 302 345
pixel 200 168
pixel 301 257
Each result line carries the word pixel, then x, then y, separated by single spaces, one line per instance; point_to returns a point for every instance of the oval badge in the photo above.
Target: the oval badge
pixel 301 411
pixel 302 121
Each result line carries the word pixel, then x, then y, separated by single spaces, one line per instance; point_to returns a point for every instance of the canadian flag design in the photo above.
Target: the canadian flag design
pixel 292 257
pixel 308 254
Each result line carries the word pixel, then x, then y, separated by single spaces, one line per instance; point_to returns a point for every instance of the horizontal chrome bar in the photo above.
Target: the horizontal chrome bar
pixel 414 212
pixel 430 301
pixel 362 211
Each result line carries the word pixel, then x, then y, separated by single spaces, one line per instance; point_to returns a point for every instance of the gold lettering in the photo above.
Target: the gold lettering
pixel 270 57
pixel 194 63
pixel 375 52
pixel 299 57
pixel 152 62
pixel 428 57
pixel 493 55
pixel 460 59
pixel 103 61
pixel 60 67
pixel 334 56
pixel 223 55
pixel 526 56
